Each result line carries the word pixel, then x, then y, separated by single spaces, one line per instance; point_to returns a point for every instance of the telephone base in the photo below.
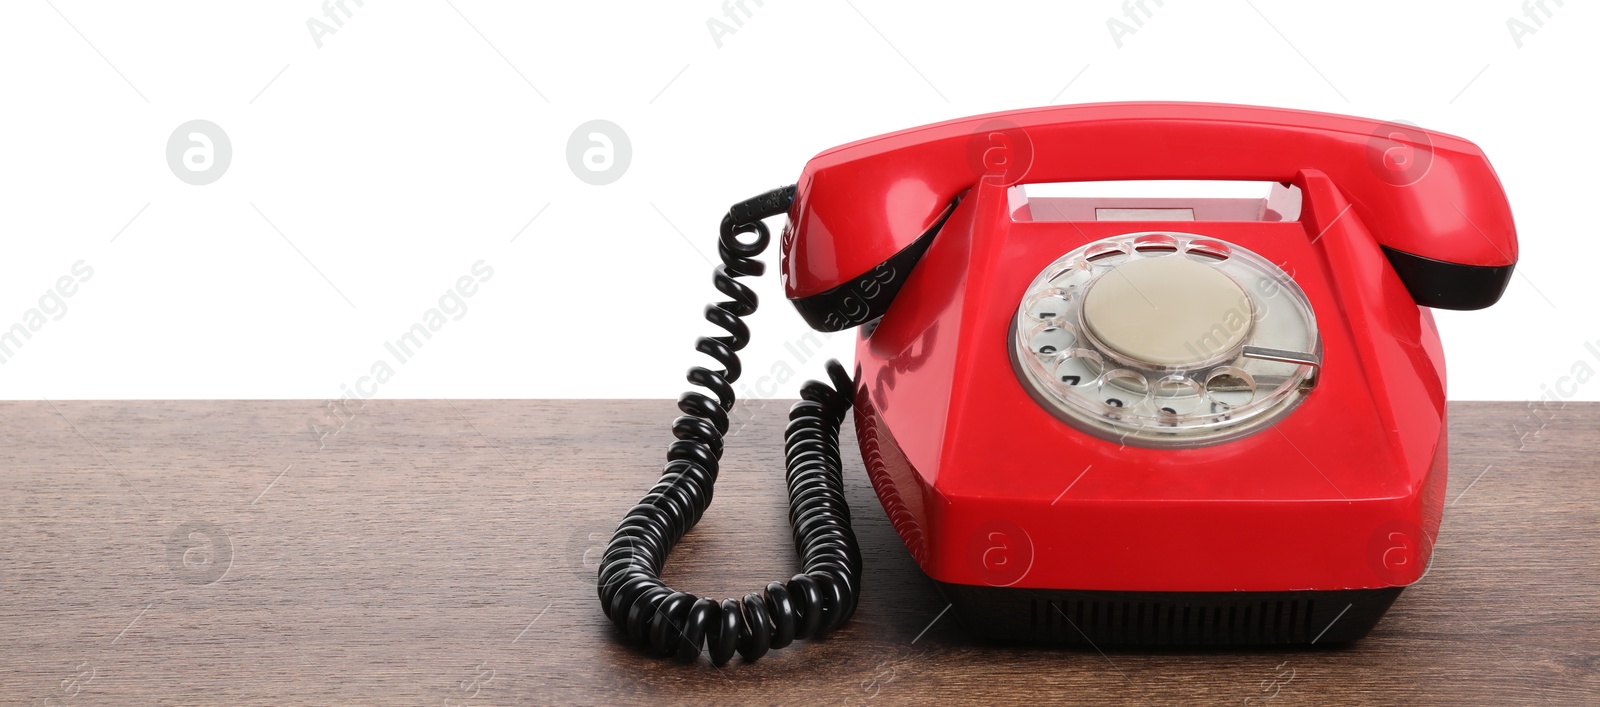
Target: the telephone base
pixel 1169 619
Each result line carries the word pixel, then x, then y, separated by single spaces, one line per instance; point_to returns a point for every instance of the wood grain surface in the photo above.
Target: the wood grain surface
pixel 443 552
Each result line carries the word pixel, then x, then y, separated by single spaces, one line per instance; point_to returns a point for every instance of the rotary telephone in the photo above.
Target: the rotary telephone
pixel 1100 421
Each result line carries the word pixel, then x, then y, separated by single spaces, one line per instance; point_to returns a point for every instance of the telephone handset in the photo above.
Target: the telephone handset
pixel 1064 404
pixel 1431 200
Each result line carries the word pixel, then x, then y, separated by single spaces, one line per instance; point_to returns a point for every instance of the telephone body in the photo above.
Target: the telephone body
pixel 1116 421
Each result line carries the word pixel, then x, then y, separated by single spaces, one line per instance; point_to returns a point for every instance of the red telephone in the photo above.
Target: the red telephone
pixel 1101 421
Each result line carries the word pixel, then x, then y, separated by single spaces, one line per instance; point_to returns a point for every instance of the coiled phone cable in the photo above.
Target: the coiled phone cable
pixel 824 595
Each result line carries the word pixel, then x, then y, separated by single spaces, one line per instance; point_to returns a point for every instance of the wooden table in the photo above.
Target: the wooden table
pixel 443 552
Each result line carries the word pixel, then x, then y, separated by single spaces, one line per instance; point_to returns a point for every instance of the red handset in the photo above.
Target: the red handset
pixel 1100 422
pixel 1430 199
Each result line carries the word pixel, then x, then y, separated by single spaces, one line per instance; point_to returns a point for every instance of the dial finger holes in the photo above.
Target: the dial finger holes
pixel 1072 276
pixel 1078 368
pixel 1105 254
pixel 1176 395
pixel 1050 340
pixel 1049 304
pixel 1155 245
pixel 1208 251
pixel 1124 388
pixel 1146 355
pixel 1230 387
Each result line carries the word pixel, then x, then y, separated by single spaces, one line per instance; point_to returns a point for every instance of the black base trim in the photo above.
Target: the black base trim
pixel 1171 619
pixel 1445 285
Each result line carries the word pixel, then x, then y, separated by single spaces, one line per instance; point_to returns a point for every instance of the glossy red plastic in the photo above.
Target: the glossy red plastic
pixel 986 487
pixel 1417 191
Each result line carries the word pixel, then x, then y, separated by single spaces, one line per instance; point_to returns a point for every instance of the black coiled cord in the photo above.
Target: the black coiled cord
pixel 824 595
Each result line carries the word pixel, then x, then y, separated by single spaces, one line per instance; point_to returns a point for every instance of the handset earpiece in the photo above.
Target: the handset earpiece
pixel 867 296
pixel 1445 285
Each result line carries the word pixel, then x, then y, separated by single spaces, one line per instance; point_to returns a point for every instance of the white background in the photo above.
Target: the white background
pixel 424 136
